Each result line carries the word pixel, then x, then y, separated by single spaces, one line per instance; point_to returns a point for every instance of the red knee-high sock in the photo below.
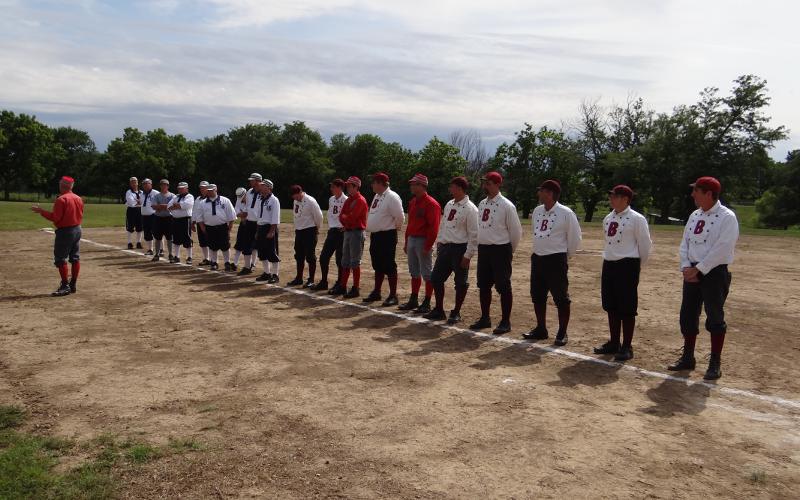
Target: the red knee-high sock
pixel 76 269
pixel 428 290
pixel 506 301
pixel 415 284
pixel 461 294
pixel 438 292
pixel 63 271
pixel 379 281
pixel 614 327
pixel 717 341
pixel 628 325
pixel 486 301
pixel 345 276
pixel 688 343
pixel 357 276
pixel 393 285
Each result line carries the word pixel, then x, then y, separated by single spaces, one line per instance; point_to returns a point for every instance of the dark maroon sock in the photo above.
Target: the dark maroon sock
pixel 506 301
pixel 63 271
pixel 438 292
pixel 393 285
pixel 461 294
pixel 628 325
pixel 614 328
pixel 379 281
pixel 541 314
pixel 344 277
pixel 486 301
pixel 717 342
pixel 415 284
pixel 688 343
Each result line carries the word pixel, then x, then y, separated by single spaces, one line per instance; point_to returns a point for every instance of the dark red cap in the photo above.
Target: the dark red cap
pixel 380 177
pixel 295 189
pixel 419 179
pixel 354 181
pixel 622 190
pixel 551 185
pixel 338 183
pixel 67 178
pixel 461 182
pixel 493 177
pixel 708 184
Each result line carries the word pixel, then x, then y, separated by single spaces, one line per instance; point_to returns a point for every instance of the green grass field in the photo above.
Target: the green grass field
pixel 16 216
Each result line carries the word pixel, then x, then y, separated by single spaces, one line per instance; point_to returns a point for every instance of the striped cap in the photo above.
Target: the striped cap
pixel 267 182
pixel 203 184
pixel 419 179
pixel 354 181
pixel 183 185
pixel 212 187
pixel 240 191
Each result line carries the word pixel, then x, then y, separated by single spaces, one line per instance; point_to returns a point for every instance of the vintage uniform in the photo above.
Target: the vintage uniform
pixel 66 216
pixel 457 240
pixel 499 234
pixel 556 237
pixel 354 222
pixel 250 224
pixel 181 209
pixel 333 242
pixel 424 213
pixel 708 245
pixel 216 217
pixel 627 247
pixel 384 219
pixel 307 223
pixel 201 236
pixel 162 228
pixel 240 207
pixel 269 216
pixel 148 218
pixel 133 215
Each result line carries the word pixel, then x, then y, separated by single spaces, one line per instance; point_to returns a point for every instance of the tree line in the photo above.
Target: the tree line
pixel 658 154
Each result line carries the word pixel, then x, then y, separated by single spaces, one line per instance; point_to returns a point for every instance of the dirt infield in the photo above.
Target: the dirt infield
pixel 297 397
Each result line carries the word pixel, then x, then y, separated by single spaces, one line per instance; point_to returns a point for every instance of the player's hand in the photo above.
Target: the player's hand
pixel 37 209
pixel 690 274
pixel 464 263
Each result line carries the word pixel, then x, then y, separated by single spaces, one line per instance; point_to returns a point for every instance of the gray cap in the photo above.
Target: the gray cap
pixel 147 181
pixel 133 179
pixel 267 182
pixel 163 181
pixel 254 177
pixel 240 191
pixel 212 187
pixel 203 184
pixel 183 185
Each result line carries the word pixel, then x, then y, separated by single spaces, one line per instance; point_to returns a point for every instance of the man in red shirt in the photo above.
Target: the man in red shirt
pixel 424 214
pixel 354 221
pixel 67 216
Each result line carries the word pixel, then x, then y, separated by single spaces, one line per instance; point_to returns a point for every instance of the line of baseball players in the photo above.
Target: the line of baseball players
pixel 491 231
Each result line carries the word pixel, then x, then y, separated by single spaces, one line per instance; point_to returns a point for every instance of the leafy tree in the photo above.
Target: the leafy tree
pixel 75 155
pixel 440 162
pixel 24 144
pixel 779 206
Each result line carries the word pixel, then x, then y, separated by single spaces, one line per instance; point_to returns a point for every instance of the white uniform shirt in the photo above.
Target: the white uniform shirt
pixel 334 209
pixel 217 211
pixel 269 210
pixel 196 208
pixel 555 230
pixel 186 203
pixel 252 200
pixel 133 198
pixel 709 238
pixel 385 212
pixel 147 202
pixel 307 213
pixel 627 236
pixel 498 222
pixel 459 224
pixel 240 207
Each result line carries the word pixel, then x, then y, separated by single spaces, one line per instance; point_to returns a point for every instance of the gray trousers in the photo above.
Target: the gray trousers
pixel 352 248
pixel 419 262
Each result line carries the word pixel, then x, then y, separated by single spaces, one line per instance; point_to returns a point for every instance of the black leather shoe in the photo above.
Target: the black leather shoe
pixel 624 354
pixel 374 296
pixel 435 315
pixel 607 348
pixel 214 266
pixel 63 289
pixel 561 339
pixel 188 261
pixel 322 285
pixel 353 293
pixel 503 328
pixel 309 283
pixel 481 324
pixel 390 301
pixel 138 246
pixel 263 277
pixel 205 262
pixel 130 246
pixel 176 260
pixel 244 271
pixel 73 287
pixel 714 368
pixel 411 304
pixel 295 282
pixel 424 308
pixel 685 362
pixel 234 267
pixel 538 333
pixel 273 279
pixel 337 289
pixel 149 252
pixel 155 258
pixel 453 318
pixel 227 266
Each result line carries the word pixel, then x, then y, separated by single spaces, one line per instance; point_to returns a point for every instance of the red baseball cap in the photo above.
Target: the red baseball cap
pixel 707 183
pixel 337 182
pixel 67 178
pixel 419 178
pixel 461 182
pixel 295 189
pixel 380 177
pixel 551 185
pixel 354 181
pixel 493 177
pixel 622 190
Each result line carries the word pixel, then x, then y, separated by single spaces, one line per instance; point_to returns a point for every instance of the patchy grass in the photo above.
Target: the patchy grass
pixel 28 462
pixel 758 477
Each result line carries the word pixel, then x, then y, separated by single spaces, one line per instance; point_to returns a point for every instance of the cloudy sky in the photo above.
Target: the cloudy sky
pixel 404 69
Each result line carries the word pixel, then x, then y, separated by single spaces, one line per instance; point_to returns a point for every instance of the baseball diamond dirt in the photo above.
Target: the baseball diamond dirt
pixel 295 396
